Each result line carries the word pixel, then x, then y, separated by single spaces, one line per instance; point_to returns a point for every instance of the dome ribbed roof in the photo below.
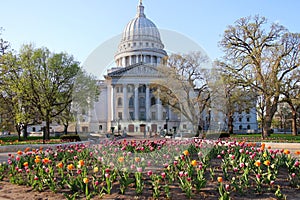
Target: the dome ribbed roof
pixel 140 42
pixel 141 28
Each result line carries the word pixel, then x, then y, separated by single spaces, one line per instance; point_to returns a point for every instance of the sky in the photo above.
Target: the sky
pixel 78 27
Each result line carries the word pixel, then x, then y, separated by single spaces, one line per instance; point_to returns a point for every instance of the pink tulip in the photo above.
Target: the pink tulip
pixel 181 173
pixel 139 169
pixel 149 173
pixel 18 158
pixel 293 175
pixel 227 187
pixel 163 175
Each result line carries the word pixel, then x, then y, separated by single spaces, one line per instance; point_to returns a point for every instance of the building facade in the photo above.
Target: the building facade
pixel 126 100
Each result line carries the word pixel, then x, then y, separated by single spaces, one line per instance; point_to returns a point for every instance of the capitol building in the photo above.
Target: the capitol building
pixel 127 101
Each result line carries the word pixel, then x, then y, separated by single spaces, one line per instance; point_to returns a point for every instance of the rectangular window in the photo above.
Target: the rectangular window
pixel 153 115
pixel 120 115
pixel 184 126
pixel 85 129
pixel 142 115
pixel 248 111
pixel 131 115
pixel 164 115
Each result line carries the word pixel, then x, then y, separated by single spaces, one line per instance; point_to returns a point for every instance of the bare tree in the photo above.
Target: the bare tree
pixel 291 95
pixel 184 86
pixel 238 99
pixel 4 45
pixel 260 58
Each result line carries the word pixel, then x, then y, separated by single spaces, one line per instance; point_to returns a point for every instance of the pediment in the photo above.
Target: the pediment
pixel 139 69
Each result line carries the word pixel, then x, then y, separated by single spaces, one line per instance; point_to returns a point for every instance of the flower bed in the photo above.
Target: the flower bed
pixel 161 169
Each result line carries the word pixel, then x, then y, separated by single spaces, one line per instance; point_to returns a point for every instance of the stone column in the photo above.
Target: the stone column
pixel 136 101
pixel 130 60
pixel 125 103
pixel 152 59
pixel 114 102
pixel 109 108
pixel 123 62
pixel 147 102
pixel 159 107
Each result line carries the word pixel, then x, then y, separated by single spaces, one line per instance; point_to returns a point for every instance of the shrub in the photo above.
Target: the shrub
pixel 70 138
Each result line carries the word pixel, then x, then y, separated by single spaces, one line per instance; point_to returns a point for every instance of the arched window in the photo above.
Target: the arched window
pixel 131 102
pixel 248 127
pixel 120 101
pixel 241 127
pixel 142 102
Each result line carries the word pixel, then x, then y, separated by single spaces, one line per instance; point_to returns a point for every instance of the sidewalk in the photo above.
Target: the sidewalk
pixel 292 147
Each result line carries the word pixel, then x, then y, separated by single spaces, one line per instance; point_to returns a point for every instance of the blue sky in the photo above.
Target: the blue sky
pixel 79 26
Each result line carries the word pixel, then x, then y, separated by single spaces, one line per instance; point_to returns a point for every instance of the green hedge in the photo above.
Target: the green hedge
pixel 70 138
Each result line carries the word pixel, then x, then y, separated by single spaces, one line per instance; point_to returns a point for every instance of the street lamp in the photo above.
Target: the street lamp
pixel 119 126
pixel 167 119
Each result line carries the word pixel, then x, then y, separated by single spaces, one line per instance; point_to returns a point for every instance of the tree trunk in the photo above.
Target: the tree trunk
pixel 230 123
pixel 267 127
pixel 66 129
pixel 18 128
pixel 47 130
pixel 25 131
pixel 271 108
pixel 294 122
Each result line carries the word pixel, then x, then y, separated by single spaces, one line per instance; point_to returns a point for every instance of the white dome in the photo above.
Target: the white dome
pixel 141 28
pixel 140 42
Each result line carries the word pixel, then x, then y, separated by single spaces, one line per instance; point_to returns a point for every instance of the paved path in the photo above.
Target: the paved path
pixel 292 147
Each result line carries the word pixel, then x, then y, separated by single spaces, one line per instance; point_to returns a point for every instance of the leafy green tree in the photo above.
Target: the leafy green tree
pixel 260 58
pixel 15 106
pixel 48 81
pixel 85 92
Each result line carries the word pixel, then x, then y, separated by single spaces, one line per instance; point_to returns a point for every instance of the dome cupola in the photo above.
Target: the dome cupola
pixel 140 42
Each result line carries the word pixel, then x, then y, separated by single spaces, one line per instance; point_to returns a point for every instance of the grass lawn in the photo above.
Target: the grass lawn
pixel 13 140
pixel 273 138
